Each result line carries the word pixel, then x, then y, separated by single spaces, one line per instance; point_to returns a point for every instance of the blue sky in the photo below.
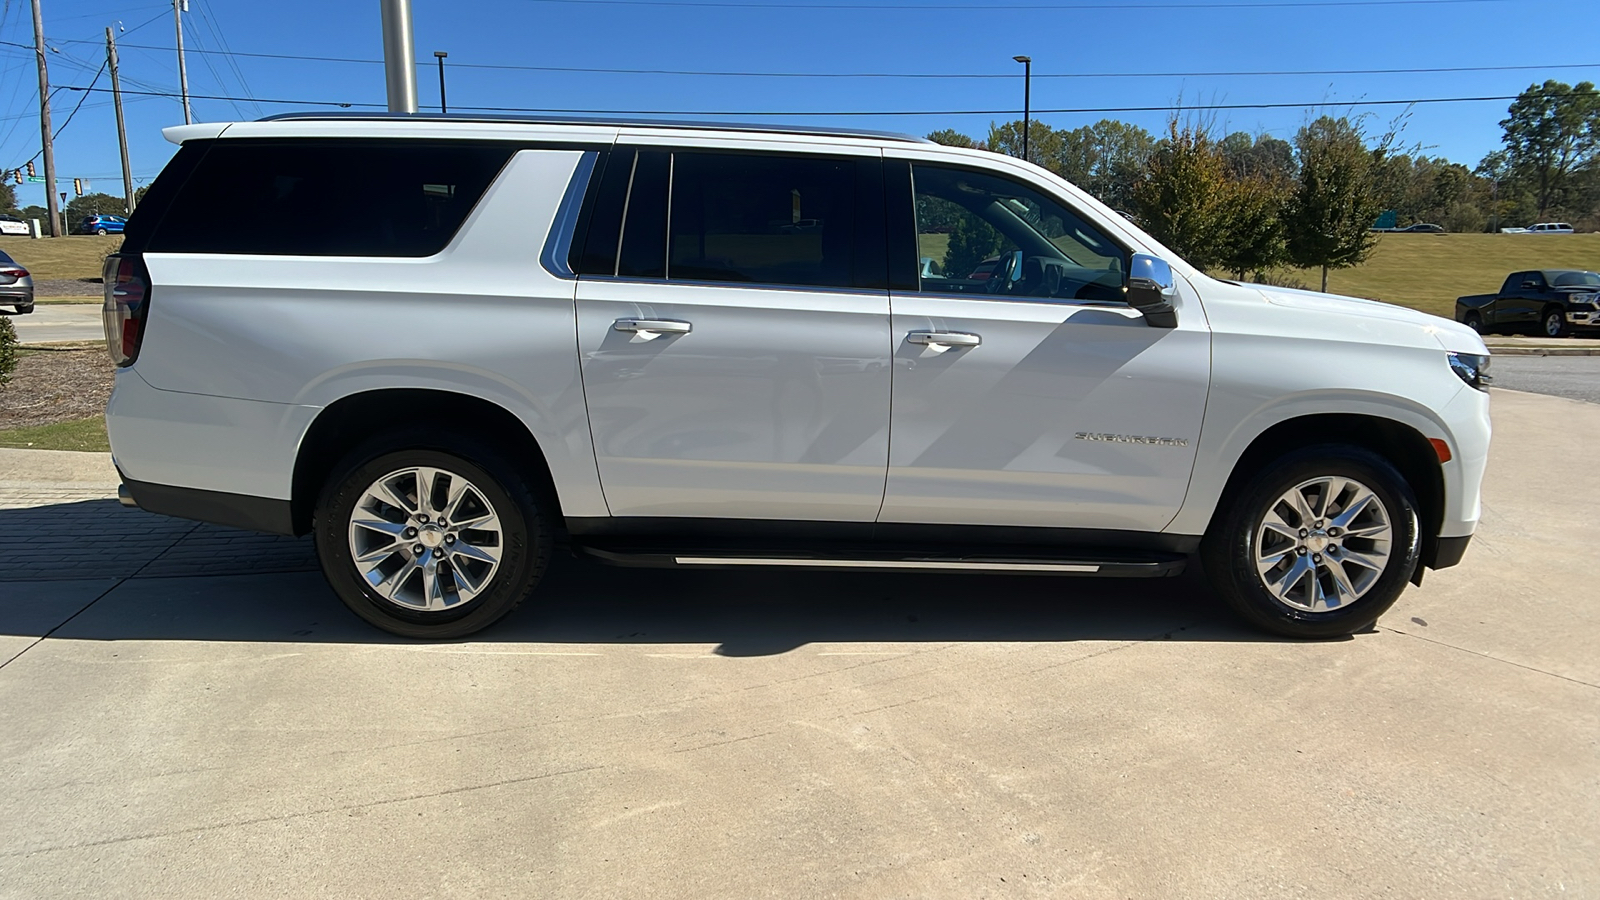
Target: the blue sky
pixel 950 37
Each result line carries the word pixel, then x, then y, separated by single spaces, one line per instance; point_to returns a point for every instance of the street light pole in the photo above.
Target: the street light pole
pixel 440 56
pixel 1027 89
pixel 399 65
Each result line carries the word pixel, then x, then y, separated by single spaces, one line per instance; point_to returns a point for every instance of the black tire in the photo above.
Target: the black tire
pixel 1553 323
pixel 24 310
pixel 99 231
pixel 525 536
pixel 1229 548
pixel 1473 321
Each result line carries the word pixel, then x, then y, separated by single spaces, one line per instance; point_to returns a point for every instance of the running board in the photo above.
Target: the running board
pixel 1143 566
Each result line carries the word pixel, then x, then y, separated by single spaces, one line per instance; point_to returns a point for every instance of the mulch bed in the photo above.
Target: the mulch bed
pixel 67 287
pixel 52 386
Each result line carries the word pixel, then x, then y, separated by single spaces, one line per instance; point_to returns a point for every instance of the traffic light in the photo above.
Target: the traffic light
pixel 77 187
pixel 17 174
pixel 31 173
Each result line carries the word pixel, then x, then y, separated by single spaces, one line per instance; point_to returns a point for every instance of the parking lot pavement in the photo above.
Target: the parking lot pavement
pixel 706 734
pixel 56 323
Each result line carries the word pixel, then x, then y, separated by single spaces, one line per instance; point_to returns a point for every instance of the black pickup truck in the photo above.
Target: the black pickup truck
pixel 1550 302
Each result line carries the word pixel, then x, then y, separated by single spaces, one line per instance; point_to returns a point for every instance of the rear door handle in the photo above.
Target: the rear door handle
pixel 945 338
pixel 653 327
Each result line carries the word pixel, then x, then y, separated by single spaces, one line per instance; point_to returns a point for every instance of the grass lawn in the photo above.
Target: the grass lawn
pixel 1429 271
pixel 82 434
pixel 73 256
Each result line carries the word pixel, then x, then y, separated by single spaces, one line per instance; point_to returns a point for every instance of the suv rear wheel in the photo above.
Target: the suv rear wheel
pixel 430 543
pixel 1319 544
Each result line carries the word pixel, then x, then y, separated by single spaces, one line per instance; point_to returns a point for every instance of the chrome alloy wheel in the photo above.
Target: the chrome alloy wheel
pixel 1323 544
pixel 425 539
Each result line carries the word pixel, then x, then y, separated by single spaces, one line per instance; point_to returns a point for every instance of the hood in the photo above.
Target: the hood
pixel 1450 335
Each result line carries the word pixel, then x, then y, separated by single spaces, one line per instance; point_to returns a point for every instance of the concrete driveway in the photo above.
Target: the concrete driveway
pixel 165 731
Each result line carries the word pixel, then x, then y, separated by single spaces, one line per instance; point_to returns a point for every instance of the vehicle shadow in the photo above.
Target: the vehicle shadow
pixel 738 613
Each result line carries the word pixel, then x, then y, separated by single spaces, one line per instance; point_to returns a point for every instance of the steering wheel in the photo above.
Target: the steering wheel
pixel 999 280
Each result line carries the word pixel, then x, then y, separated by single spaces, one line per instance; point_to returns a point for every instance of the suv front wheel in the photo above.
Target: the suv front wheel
pixel 430 543
pixel 1319 544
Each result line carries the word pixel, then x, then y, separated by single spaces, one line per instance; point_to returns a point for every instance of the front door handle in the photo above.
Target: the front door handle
pixel 945 338
pixel 653 328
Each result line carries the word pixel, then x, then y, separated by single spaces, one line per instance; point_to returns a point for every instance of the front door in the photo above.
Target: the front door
pixel 1026 392
pixel 736 360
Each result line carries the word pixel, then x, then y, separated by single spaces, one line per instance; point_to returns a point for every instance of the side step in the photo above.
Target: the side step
pixel 1142 565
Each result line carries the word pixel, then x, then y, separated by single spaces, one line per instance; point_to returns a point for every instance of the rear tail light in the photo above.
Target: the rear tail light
pixel 14 272
pixel 127 303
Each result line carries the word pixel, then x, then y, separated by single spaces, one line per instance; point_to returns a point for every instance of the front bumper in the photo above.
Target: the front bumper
pixel 1587 318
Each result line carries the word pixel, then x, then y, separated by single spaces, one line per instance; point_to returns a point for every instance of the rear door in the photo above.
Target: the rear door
pixel 1034 396
pixel 733 320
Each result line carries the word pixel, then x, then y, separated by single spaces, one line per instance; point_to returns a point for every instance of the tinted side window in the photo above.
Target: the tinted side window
pixel 790 220
pixel 328 198
pixel 644 234
pixel 979 233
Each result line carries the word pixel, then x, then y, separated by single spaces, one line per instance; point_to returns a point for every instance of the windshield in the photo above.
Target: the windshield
pixel 1575 279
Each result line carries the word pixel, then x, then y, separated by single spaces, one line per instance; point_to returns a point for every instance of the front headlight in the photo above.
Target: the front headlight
pixel 1471 368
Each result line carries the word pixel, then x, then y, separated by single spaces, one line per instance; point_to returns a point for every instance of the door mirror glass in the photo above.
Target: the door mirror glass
pixel 1152 291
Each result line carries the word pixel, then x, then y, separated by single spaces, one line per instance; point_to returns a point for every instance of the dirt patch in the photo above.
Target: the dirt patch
pixel 52 386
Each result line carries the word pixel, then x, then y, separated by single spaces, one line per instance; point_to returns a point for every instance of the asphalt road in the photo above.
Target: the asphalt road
pixel 176 724
pixel 1573 377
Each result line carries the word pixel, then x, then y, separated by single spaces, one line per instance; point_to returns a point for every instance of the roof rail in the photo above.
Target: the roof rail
pixel 596 120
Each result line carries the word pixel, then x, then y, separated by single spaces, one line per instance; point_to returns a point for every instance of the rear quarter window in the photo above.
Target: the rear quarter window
pixel 328 198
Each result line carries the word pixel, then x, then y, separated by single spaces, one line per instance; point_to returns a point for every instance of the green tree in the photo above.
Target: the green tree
pixel 972 240
pixel 1043 141
pixel 1181 200
pixel 951 138
pixel 1329 216
pixel 91 205
pixel 1251 236
pixel 8 198
pixel 1261 156
pixel 1107 159
pixel 1552 132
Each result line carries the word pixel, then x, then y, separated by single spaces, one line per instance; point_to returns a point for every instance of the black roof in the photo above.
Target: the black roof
pixel 597 120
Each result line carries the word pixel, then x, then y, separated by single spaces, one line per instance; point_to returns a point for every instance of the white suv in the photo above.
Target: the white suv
pixel 446 346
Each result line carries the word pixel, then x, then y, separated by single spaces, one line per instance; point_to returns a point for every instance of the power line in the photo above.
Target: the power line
pixel 1197 107
pixel 941 75
pixel 917 7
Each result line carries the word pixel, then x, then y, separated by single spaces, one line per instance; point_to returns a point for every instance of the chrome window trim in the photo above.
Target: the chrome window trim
pixel 558 243
pixel 737 285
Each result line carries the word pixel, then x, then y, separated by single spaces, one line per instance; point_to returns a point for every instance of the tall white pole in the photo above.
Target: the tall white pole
pixel 399 63
pixel 44 124
pixel 178 6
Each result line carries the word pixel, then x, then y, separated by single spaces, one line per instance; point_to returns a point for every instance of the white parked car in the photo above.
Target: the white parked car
pixel 1549 228
pixel 720 346
pixel 14 225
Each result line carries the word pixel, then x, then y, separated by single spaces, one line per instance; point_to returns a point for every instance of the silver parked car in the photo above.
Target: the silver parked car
pixel 16 286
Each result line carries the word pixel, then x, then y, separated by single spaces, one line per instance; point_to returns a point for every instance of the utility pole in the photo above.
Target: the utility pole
pixel 45 128
pixel 122 128
pixel 178 9
pixel 399 63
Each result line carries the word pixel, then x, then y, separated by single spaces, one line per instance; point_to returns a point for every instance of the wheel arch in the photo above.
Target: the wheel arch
pixel 349 421
pixel 1406 448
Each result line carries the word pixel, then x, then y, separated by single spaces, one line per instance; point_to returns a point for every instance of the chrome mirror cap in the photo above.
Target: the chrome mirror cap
pixel 1152 290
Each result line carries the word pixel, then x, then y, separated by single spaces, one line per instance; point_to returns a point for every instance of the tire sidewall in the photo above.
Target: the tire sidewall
pixel 1561 324
pixel 1235 546
pixel 526 545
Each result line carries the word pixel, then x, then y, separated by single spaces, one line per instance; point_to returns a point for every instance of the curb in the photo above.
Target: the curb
pixel 1544 351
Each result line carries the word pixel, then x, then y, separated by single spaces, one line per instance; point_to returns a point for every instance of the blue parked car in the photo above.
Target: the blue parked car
pixel 102 225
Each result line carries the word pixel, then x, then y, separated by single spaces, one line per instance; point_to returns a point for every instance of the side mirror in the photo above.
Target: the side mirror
pixel 1151 290
pixel 1530 285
